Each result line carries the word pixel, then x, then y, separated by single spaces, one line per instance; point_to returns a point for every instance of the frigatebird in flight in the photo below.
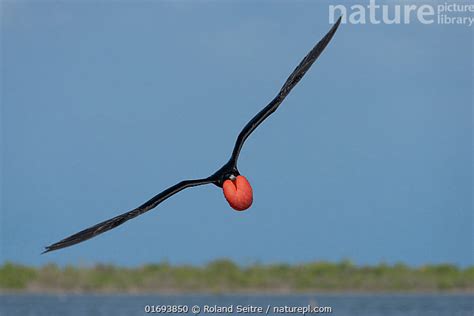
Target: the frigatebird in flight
pixel 237 189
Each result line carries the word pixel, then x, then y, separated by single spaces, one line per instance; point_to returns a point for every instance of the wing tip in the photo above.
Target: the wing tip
pixel 52 247
pixel 336 25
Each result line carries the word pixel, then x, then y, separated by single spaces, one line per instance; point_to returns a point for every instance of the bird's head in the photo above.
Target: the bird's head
pixel 238 192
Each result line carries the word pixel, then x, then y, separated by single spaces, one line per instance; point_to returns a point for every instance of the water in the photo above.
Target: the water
pixel 341 304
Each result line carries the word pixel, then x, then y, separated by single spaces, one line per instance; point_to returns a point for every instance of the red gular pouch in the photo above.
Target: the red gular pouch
pixel 238 193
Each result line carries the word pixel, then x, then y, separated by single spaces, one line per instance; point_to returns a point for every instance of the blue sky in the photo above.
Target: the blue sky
pixel 105 104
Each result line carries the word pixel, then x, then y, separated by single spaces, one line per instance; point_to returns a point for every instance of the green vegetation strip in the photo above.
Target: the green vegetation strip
pixel 225 276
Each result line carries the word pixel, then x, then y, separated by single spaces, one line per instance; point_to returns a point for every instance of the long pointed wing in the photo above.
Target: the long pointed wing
pixel 292 80
pixel 120 219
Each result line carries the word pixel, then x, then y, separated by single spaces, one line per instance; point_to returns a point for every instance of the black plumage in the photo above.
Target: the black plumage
pixel 225 172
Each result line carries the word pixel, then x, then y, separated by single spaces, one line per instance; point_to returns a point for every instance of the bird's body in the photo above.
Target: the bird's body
pixel 236 188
